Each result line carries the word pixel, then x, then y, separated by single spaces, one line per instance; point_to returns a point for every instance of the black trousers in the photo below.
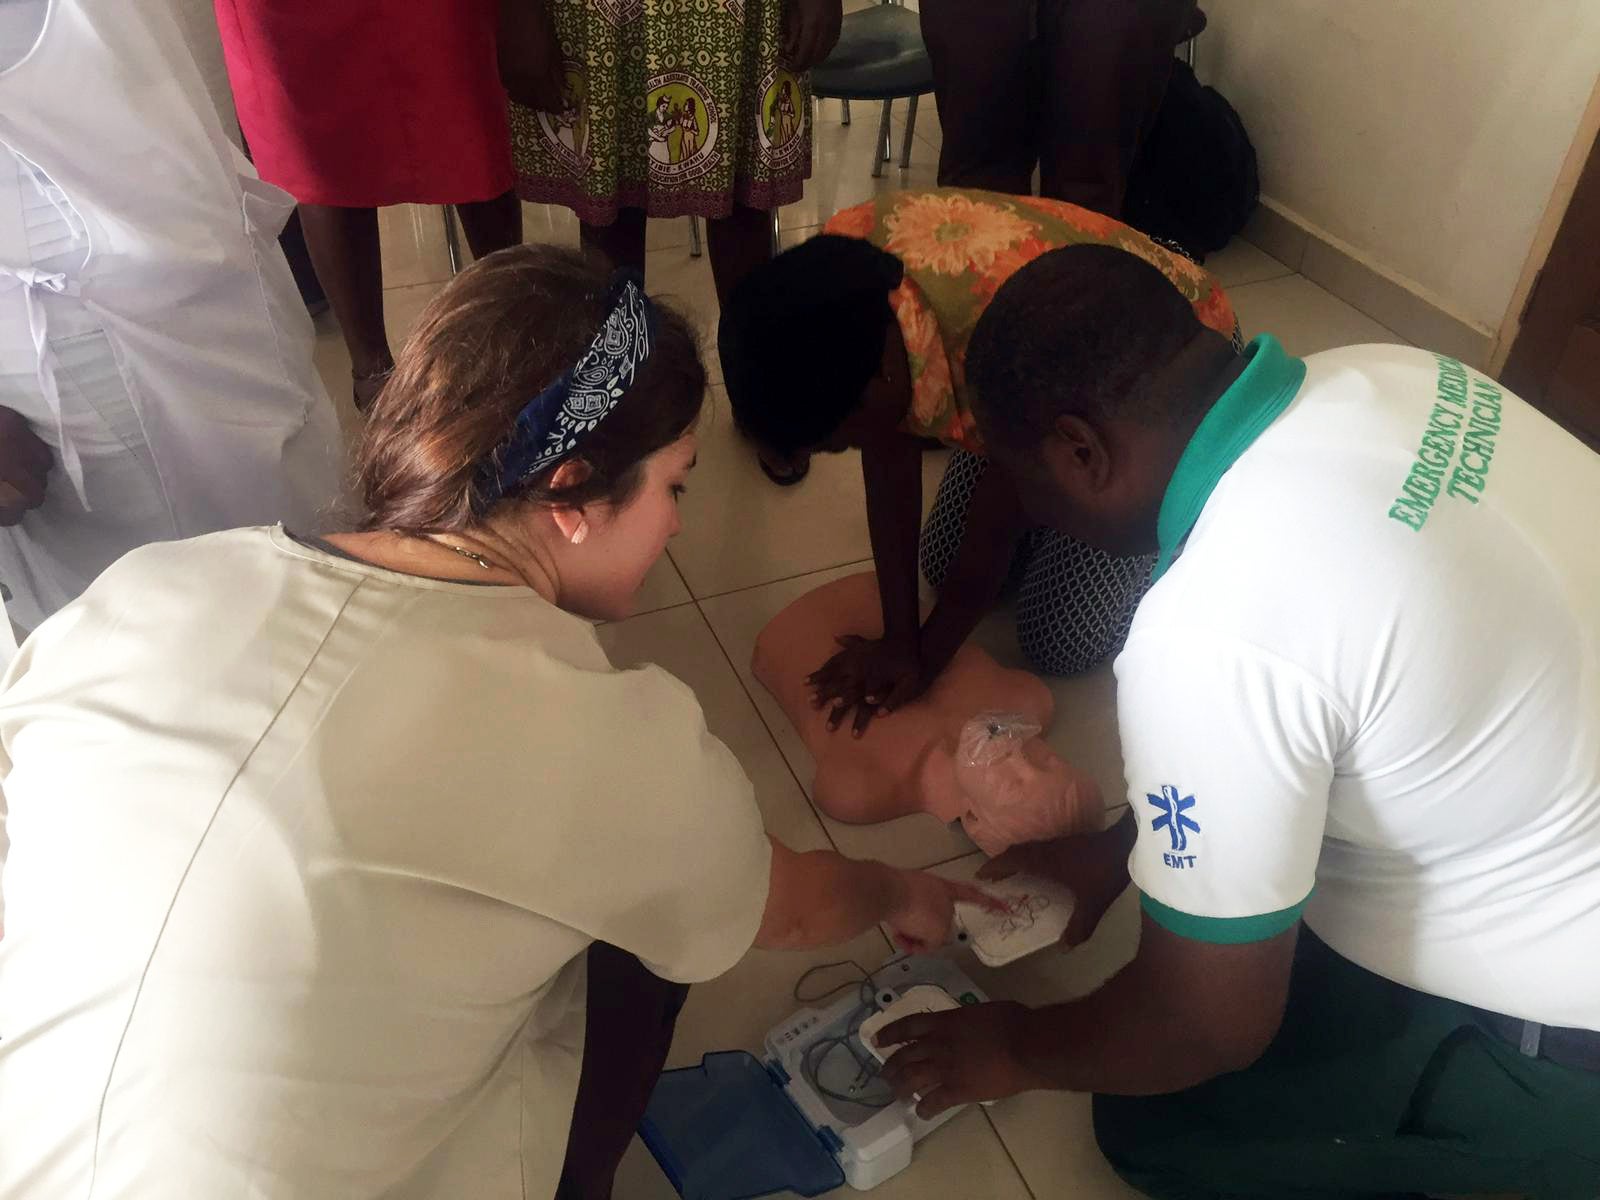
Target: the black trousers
pixel 1071 86
pixel 627 1032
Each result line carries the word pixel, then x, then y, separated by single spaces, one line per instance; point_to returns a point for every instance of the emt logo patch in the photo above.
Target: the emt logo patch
pixel 1175 819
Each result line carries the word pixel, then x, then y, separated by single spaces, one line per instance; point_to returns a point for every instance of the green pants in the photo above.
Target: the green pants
pixel 1369 1090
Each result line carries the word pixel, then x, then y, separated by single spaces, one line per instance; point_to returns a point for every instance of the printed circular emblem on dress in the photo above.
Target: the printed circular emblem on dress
pixel 780 123
pixel 567 132
pixel 682 128
pixel 619 12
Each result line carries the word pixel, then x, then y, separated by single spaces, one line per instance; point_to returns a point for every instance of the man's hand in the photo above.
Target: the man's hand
pixel 871 678
pixel 24 463
pixel 954 1058
pixel 531 69
pixel 810 31
pixel 1094 867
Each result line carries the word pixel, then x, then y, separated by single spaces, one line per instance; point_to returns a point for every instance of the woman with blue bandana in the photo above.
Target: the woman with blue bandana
pixel 351 866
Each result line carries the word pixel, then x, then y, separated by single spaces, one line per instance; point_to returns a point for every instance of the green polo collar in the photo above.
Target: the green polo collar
pixel 1270 379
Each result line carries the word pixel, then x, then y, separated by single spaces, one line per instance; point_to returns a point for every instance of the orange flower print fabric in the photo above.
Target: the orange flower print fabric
pixel 959 246
pixel 951 233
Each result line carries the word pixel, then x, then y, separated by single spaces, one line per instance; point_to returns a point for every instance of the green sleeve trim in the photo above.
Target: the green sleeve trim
pixel 1222 931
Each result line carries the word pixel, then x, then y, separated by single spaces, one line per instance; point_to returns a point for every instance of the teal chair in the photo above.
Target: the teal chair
pixel 880 56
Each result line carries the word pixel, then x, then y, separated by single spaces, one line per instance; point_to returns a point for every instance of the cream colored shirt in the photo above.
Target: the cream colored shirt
pixel 305 856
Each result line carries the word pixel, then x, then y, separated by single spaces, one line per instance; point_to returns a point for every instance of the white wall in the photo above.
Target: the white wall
pixel 1425 133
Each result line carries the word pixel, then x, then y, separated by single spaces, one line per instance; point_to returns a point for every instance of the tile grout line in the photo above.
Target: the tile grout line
pixel 750 587
pixel 1010 1157
pixel 815 815
pixel 1400 338
pixel 760 716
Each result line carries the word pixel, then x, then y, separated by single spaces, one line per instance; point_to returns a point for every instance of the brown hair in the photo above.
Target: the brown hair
pixel 494 338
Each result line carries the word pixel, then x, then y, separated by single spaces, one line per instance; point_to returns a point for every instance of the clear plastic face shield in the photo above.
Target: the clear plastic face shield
pixel 1017 789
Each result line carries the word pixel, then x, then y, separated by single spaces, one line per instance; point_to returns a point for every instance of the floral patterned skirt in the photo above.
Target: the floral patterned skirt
pixel 677 107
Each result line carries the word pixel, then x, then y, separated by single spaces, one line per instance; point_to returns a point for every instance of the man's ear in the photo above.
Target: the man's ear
pixel 1078 456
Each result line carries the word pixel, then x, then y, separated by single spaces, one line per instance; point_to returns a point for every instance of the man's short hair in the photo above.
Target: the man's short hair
pixel 1079 331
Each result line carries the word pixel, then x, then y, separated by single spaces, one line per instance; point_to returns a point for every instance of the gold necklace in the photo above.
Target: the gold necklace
pixel 463 552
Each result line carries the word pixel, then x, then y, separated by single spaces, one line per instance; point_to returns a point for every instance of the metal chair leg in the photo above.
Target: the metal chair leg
pixel 845 108
pixel 452 239
pixel 695 248
pixel 911 129
pixel 883 151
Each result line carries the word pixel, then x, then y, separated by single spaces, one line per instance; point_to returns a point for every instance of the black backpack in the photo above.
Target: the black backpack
pixel 1194 181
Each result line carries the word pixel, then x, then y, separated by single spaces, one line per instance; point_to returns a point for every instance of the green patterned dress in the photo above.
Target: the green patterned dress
pixel 677 107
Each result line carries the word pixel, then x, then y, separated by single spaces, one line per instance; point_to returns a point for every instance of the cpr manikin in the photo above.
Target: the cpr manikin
pixel 969 749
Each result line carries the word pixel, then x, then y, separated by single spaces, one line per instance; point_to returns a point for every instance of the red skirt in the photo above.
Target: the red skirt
pixel 364 103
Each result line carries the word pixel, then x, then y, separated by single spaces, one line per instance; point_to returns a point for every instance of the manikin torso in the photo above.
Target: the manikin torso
pixel 916 759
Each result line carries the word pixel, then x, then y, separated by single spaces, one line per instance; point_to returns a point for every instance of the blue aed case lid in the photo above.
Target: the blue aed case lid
pixel 726 1130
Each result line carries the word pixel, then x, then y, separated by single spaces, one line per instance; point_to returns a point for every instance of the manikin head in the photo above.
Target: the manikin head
pixel 1016 788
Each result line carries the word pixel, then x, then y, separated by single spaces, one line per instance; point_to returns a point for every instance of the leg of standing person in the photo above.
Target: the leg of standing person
pixel 627 1032
pixel 1106 65
pixel 738 244
pixel 492 225
pixel 1370 1091
pixel 344 249
pixel 293 241
pixel 622 241
pixel 987 86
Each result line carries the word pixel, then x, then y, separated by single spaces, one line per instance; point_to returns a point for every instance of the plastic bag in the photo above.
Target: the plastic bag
pixel 1017 789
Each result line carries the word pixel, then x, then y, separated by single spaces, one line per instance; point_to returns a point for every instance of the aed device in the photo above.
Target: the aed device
pixel 812 1112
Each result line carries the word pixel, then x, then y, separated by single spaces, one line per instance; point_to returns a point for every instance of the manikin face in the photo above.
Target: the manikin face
pixel 600 577
pixel 1023 792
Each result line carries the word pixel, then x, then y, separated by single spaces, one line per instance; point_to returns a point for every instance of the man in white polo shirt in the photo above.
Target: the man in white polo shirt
pixel 1360 714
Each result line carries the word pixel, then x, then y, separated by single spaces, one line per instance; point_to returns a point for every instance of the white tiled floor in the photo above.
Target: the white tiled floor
pixel 747 550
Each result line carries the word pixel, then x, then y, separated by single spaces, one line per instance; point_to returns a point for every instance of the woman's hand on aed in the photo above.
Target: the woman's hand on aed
pixel 946 1059
pixel 867 677
pixel 924 911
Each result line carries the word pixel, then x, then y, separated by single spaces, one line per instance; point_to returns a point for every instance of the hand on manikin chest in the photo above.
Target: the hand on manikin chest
pixel 917 760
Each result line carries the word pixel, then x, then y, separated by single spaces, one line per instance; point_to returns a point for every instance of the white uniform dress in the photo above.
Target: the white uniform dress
pixel 306 858
pixel 150 331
